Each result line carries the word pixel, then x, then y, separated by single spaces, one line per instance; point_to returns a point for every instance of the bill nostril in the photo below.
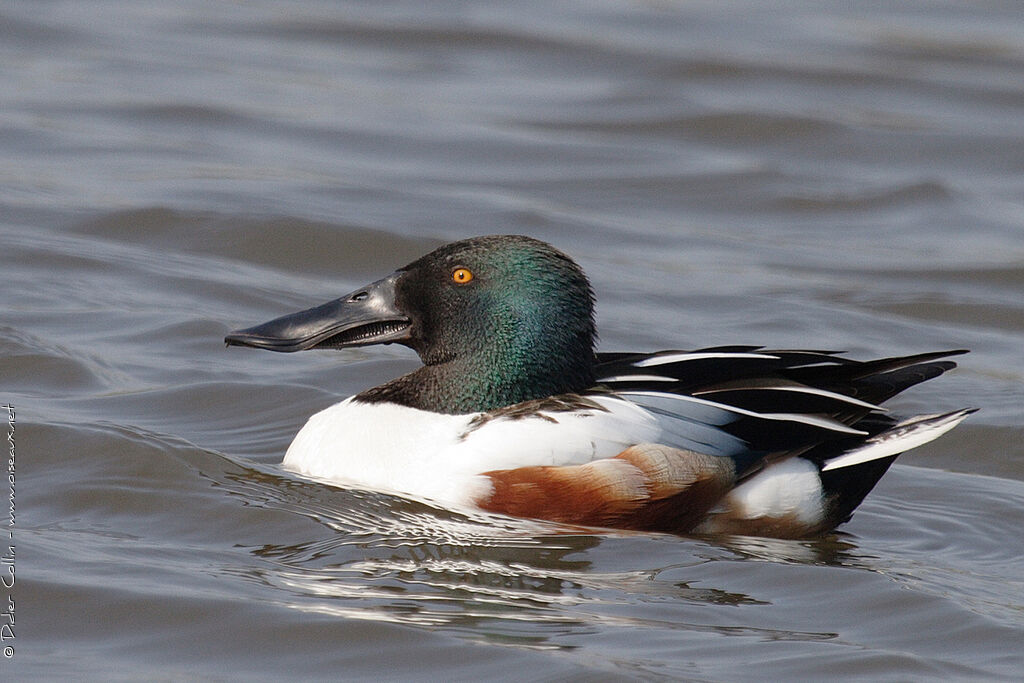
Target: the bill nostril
pixel 359 296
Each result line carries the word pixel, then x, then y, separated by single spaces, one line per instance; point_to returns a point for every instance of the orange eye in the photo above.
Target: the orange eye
pixel 462 275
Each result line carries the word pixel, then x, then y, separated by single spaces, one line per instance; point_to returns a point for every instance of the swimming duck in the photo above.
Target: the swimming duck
pixel 514 412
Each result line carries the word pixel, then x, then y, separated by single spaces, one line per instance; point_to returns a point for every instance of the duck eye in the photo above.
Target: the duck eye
pixel 462 275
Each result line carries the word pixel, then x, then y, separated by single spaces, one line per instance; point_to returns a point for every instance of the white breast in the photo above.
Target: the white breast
pixel 384 446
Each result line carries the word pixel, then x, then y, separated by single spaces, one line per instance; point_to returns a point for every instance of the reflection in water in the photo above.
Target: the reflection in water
pixel 828 550
pixel 504 580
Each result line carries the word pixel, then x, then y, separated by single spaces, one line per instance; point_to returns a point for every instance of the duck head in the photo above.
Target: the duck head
pixel 495 320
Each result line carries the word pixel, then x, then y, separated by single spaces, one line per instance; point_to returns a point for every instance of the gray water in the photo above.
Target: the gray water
pixel 813 174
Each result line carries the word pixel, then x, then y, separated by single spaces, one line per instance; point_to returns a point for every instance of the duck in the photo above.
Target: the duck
pixel 514 412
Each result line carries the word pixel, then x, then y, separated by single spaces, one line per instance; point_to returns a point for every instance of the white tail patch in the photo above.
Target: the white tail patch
pixel 788 488
pixel 910 433
pixel 665 359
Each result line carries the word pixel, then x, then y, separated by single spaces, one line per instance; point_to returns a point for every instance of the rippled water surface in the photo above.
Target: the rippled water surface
pixel 798 174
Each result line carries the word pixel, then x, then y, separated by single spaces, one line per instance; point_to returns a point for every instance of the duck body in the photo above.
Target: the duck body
pixel 441 457
pixel 513 412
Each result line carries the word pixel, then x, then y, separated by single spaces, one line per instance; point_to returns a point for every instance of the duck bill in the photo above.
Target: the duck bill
pixel 367 316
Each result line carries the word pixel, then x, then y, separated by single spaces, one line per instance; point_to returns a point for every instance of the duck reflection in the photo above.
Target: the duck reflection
pixel 518 582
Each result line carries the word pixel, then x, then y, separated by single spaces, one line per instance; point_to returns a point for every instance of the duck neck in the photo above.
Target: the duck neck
pixel 483 382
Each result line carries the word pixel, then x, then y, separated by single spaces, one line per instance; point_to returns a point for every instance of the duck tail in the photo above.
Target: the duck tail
pixel 848 477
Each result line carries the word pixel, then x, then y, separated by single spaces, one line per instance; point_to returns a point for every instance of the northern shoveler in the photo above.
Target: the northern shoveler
pixel 513 412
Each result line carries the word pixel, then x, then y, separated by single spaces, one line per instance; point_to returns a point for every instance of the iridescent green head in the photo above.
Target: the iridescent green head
pixel 496 321
pixel 503 319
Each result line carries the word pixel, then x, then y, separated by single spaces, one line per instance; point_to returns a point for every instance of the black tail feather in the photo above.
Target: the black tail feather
pixel 846 487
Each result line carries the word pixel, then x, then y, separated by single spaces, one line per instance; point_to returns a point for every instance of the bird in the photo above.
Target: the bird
pixel 514 412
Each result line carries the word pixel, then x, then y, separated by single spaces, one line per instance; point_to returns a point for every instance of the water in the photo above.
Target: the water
pixel 813 174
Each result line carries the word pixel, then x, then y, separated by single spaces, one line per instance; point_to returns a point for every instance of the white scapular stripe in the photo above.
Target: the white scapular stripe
pixel 638 378
pixel 823 422
pixel 806 390
pixel 680 357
